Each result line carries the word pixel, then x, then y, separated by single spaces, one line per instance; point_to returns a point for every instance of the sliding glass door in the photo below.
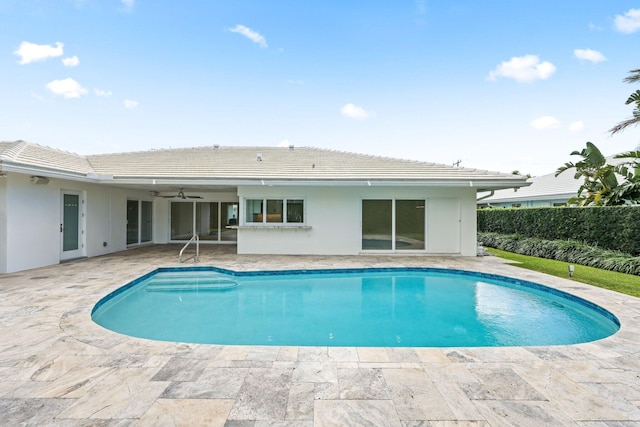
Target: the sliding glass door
pixel 139 222
pixel 212 221
pixel 377 225
pixel 393 225
pixel 409 225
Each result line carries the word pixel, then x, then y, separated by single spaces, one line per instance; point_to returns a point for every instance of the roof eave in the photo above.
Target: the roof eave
pixel 8 166
pixel 479 185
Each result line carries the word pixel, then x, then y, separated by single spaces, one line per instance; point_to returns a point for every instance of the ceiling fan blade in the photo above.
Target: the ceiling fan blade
pixel 179 195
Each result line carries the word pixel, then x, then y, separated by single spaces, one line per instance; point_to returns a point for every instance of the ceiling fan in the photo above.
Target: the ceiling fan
pixel 180 195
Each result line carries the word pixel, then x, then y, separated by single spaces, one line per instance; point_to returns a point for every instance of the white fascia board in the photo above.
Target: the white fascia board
pixel 493 184
pixel 477 184
pixel 46 172
pixel 543 197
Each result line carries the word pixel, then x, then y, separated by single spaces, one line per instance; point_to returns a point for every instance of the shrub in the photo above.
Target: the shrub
pixel 563 250
pixel 611 227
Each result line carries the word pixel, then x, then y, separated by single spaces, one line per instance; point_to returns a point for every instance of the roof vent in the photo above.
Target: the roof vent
pixel 216 146
pixel 291 147
pixel 259 157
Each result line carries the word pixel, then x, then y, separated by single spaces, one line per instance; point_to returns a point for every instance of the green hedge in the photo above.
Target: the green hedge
pixel 563 250
pixel 609 227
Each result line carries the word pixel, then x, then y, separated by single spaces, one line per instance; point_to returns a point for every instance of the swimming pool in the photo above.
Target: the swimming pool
pixel 399 307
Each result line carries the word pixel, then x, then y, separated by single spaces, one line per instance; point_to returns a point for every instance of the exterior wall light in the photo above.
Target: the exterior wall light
pixel 39 180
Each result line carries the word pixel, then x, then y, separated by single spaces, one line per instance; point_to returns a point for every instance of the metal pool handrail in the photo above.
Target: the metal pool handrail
pixel 197 255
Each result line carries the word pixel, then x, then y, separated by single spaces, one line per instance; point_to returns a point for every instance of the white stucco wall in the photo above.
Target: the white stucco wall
pixel 334 217
pixel 33 223
pixel 32 215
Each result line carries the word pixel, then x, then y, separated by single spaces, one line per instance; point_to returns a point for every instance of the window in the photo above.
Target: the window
pixel 253 211
pixel 274 211
pixel 295 211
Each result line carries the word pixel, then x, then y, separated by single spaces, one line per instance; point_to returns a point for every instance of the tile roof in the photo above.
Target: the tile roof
pixel 545 187
pixel 250 163
pixel 276 163
pixel 34 155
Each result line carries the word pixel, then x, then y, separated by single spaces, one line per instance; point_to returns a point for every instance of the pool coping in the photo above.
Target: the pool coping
pixel 56 365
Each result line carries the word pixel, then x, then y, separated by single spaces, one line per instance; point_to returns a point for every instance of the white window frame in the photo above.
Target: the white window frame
pixel 264 222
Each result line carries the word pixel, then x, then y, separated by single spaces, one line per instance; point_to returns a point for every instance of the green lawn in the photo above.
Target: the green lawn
pixel 624 283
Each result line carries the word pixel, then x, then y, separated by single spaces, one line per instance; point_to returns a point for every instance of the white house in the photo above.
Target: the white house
pixel 56 206
pixel 543 191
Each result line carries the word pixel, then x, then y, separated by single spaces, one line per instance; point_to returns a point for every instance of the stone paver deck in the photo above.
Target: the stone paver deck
pixel 59 368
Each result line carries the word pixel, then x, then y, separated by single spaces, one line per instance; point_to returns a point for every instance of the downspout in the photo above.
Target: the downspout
pixel 486 196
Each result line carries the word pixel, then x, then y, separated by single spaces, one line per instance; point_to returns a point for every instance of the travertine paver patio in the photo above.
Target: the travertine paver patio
pixel 58 368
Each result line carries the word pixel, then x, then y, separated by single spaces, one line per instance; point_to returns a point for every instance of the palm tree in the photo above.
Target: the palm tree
pixel 634 77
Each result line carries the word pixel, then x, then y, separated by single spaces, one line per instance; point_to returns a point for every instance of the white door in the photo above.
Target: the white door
pixel 443 225
pixel 71 229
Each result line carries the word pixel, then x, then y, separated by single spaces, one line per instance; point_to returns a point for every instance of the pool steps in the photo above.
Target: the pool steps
pixel 194 285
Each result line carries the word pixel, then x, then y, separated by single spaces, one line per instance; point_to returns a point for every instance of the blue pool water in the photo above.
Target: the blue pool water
pixel 371 307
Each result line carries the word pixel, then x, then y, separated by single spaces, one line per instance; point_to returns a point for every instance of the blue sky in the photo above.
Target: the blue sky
pixel 500 84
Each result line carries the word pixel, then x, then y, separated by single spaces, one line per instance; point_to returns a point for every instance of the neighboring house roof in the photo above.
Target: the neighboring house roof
pixel 250 165
pixel 545 187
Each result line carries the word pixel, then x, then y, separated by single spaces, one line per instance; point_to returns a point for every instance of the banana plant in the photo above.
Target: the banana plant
pixel 599 177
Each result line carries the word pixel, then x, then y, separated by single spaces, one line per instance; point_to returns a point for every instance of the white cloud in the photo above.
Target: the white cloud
pixel 576 126
pixel 523 69
pixel 128 4
pixel 68 88
pixel 250 34
pixel 72 61
pixel 354 112
pixel 589 55
pixel 284 143
pixel 31 52
pixel 545 122
pixel 629 22
pixel 103 93
pixel 130 104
